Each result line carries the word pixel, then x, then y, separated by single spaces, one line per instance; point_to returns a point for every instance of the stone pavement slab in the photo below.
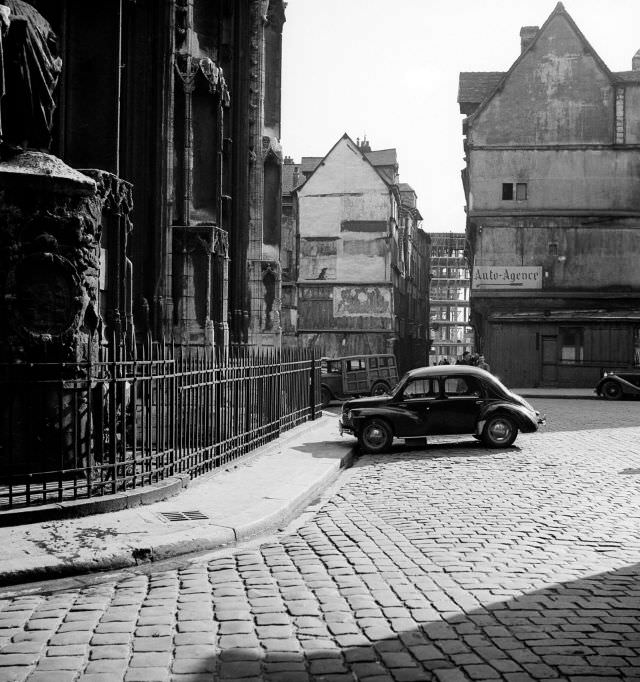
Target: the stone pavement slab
pixel 245 499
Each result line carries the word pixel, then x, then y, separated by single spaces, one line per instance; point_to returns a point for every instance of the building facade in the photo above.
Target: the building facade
pixel 451 334
pixel 181 98
pixel 552 149
pixel 359 280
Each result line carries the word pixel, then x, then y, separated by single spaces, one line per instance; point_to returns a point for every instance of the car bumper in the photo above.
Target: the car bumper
pixel 345 428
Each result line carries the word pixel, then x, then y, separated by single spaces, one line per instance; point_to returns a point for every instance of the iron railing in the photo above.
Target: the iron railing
pixel 80 430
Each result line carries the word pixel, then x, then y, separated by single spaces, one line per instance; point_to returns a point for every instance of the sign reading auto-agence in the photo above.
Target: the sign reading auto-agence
pixel 506 277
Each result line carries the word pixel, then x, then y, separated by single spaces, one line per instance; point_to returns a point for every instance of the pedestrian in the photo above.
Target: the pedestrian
pixel 482 364
pixel 464 360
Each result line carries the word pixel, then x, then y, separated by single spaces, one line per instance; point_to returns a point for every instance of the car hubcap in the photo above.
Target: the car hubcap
pixel 500 431
pixel 375 436
pixel 611 389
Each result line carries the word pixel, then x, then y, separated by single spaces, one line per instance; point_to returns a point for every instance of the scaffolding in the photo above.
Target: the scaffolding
pixel 449 298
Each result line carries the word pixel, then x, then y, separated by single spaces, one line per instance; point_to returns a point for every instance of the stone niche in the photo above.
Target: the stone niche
pixel 51 221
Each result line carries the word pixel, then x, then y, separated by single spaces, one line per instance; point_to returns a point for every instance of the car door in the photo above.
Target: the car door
pixel 413 417
pixel 459 406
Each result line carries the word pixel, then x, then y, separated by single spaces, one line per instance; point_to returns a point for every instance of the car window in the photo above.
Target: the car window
pixel 459 386
pixel 354 365
pixel 334 368
pixel 420 388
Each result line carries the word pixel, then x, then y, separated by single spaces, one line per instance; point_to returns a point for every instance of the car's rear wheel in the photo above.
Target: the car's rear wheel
pixel 379 388
pixel 375 436
pixel 325 396
pixel 611 390
pixel 499 432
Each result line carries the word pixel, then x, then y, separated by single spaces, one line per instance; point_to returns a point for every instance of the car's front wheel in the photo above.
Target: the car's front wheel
pixel 611 390
pixel 499 432
pixel 375 436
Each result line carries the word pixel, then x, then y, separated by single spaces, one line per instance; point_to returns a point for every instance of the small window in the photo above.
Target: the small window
pixel 571 345
pixel 355 365
pixel 333 367
pixel 521 191
pixel 507 191
pixel 553 248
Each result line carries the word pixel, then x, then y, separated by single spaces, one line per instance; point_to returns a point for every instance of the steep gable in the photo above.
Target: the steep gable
pixel 345 169
pixel 557 92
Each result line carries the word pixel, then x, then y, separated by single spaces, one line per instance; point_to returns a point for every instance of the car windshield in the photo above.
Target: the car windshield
pixel 398 387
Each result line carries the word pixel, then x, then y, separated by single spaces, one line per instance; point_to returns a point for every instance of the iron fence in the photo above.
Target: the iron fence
pixel 81 430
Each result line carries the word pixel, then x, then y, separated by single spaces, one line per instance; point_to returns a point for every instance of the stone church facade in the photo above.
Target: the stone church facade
pixel 181 100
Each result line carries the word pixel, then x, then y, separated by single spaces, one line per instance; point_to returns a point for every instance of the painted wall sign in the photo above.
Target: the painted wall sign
pixel 506 277
pixel 357 301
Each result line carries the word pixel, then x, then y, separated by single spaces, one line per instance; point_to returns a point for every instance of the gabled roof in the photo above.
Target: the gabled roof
pixel 628 76
pixel 385 162
pixel 558 10
pixel 383 157
pixel 474 86
pixel 309 163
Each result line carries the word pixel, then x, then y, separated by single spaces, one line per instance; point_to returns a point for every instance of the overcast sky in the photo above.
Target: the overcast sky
pixel 390 70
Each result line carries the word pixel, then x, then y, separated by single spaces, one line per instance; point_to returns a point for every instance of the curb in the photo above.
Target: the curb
pixel 223 536
pixel 171 486
pixel 555 396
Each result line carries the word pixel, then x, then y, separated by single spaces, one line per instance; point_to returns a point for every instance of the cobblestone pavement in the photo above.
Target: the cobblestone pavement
pixel 448 563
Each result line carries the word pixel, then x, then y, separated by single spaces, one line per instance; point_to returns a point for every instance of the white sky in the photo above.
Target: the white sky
pixel 390 70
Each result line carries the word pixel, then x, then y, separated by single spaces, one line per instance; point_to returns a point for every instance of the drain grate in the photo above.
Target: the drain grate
pixel 183 516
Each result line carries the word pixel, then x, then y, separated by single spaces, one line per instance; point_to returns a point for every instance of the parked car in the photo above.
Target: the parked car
pixel 447 399
pixel 618 384
pixel 355 375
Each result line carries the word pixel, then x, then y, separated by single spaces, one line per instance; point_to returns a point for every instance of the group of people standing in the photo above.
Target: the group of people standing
pixel 468 358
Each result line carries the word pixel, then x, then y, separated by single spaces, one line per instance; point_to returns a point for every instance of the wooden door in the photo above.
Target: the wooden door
pixel 549 360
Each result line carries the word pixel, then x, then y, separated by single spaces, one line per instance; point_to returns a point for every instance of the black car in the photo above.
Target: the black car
pixel 618 384
pixel 456 399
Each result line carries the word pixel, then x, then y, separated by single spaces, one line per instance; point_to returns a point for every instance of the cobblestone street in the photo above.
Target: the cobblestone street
pixel 448 563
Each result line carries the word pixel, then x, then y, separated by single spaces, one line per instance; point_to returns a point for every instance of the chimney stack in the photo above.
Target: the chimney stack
pixel 364 145
pixel 635 62
pixel 527 34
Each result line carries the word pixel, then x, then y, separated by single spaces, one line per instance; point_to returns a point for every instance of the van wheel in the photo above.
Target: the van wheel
pixel 375 436
pixel 325 396
pixel 379 388
pixel 499 432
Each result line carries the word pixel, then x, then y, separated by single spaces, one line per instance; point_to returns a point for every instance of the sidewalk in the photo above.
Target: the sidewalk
pixel 563 393
pixel 247 498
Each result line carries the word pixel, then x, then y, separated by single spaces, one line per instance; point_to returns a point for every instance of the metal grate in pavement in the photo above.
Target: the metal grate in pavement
pixel 183 516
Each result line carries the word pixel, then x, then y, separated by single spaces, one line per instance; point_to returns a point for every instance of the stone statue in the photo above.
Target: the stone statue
pixel 29 70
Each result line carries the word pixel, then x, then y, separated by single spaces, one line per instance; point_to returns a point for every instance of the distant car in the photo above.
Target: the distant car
pixel 447 399
pixel 618 384
pixel 355 375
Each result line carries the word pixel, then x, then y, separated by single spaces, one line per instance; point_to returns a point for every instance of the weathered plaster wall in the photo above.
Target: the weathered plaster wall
pixel 632 114
pixel 587 257
pixel 334 205
pixel 584 179
pixel 557 94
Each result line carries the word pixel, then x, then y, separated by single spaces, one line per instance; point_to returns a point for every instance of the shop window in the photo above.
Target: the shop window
pixel 571 345
pixel 636 347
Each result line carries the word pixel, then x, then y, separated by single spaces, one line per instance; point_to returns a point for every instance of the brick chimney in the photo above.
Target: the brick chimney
pixel 527 34
pixel 635 62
